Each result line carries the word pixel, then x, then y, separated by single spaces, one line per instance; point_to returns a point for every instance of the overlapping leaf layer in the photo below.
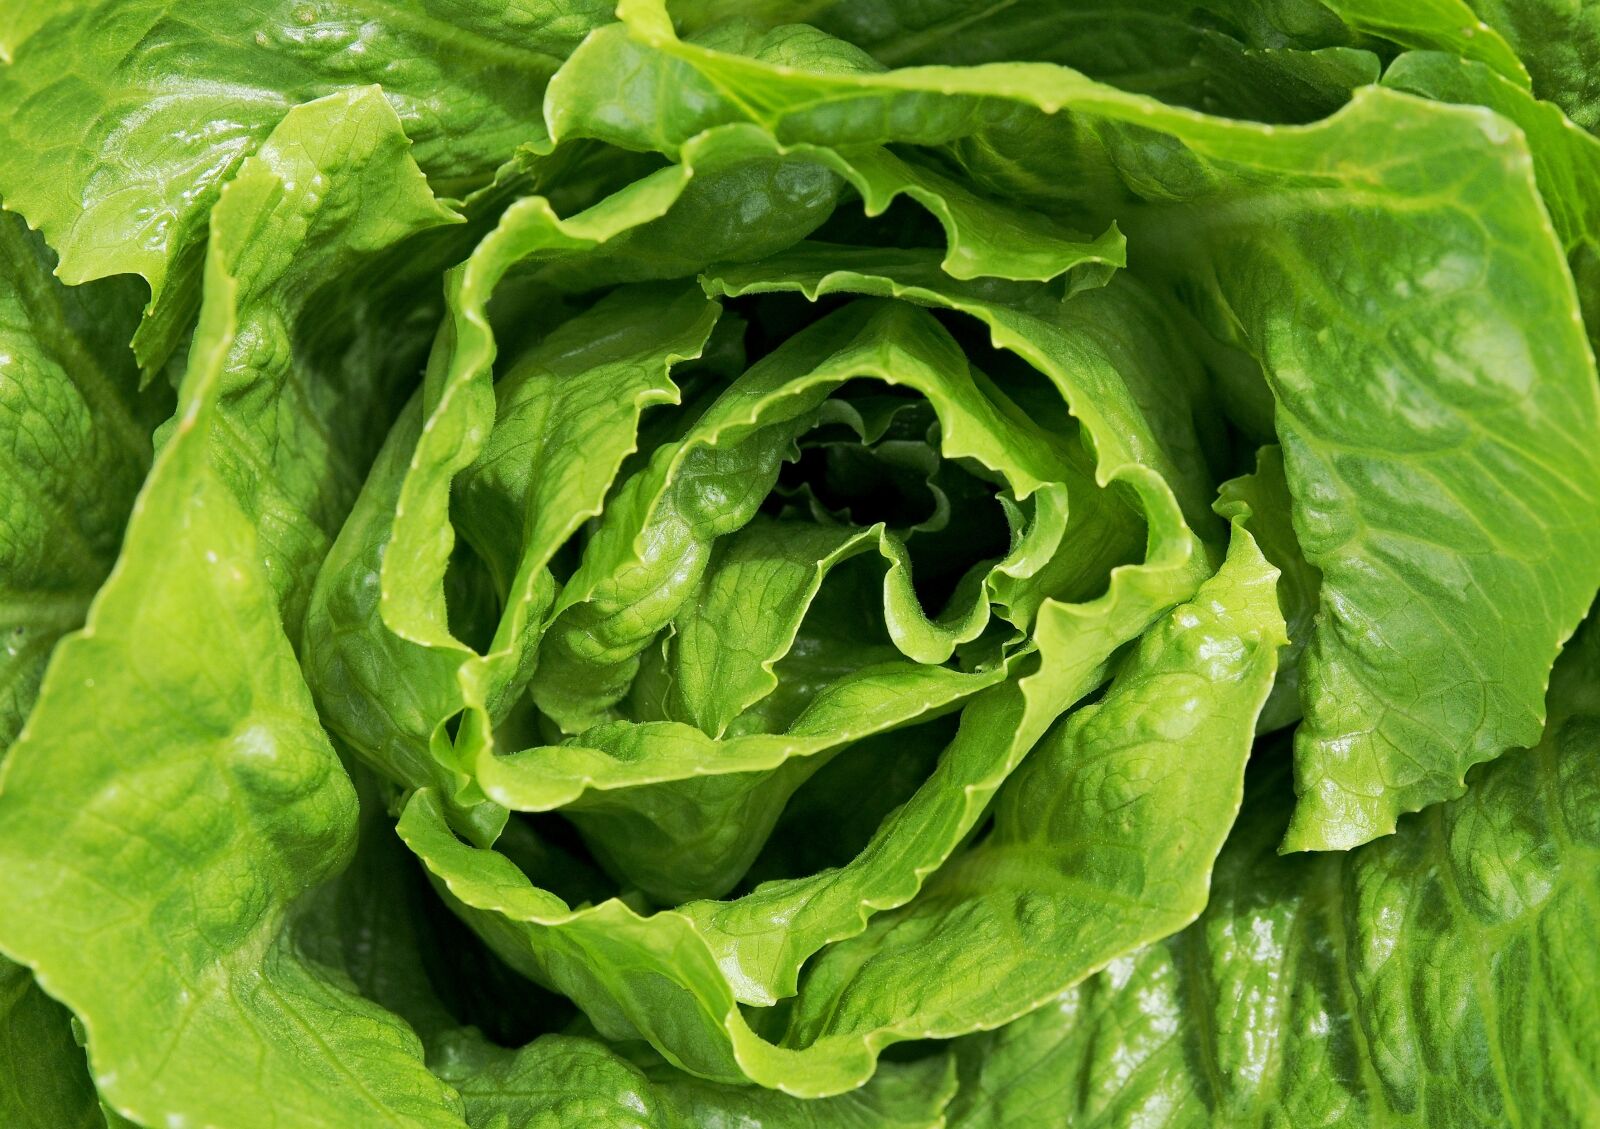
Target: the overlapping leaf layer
pixel 782 564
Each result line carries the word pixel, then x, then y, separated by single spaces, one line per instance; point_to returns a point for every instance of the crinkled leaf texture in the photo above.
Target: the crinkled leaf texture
pixel 1439 457
pixel 128 117
pixel 1442 976
pixel 695 546
pixel 149 891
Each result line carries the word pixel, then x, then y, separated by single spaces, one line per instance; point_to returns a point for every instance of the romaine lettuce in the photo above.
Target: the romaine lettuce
pixel 782 564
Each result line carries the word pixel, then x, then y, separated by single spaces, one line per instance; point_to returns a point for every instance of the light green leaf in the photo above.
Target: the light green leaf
pixel 682 814
pixel 545 471
pixel 984 237
pixel 129 115
pixel 655 977
pixel 759 585
pixel 1436 25
pixel 279 376
pixel 74 446
pixel 1442 976
pixel 1566 159
pixel 174 794
pixel 1451 486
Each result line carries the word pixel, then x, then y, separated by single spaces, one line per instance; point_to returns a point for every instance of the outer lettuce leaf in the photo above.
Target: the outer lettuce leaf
pixel 1566 159
pixel 44 1081
pixel 174 793
pixel 1443 976
pixel 1238 60
pixel 561 1080
pixel 1462 419
pixel 129 115
pixel 74 446
pixel 1465 424
pixel 1559 41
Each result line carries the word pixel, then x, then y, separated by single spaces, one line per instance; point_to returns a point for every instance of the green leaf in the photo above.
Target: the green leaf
pixel 130 115
pixel 1210 57
pixel 655 977
pixel 984 237
pixel 1442 976
pixel 174 794
pixel 1566 159
pixel 74 446
pixel 759 586
pixel 269 337
pixel 1558 40
pixel 562 1080
pixel 1436 25
pixel 390 694
pixel 1261 501
pixel 44 1081
pixel 1448 484
pixel 1463 430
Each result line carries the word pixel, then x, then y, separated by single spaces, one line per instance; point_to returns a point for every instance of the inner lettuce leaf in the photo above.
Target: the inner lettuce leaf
pixel 1221 648
pixel 797 565
pixel 1378 511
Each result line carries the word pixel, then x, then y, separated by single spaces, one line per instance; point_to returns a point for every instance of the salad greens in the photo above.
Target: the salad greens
pixel 837 564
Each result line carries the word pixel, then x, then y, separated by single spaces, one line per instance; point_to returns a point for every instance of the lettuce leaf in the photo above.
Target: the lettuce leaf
pixel 1436 977
pixel 828 565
